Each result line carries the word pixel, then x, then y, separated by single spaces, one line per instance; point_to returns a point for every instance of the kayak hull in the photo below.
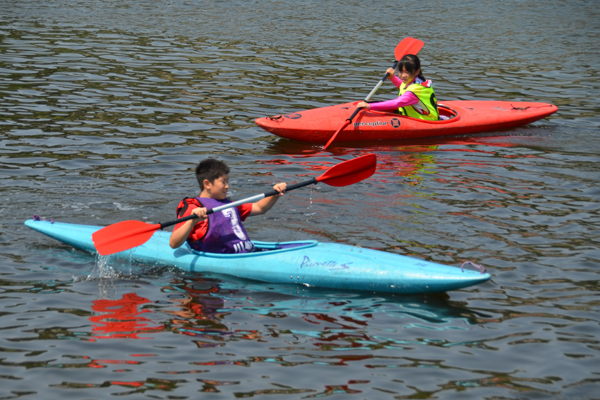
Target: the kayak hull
pixel 464 117
pixel 309 263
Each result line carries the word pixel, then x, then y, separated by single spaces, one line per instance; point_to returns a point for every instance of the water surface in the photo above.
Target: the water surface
pixel 107 106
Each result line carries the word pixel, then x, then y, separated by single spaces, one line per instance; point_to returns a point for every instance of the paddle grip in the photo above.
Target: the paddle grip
pixel 312 181
pixel 386 75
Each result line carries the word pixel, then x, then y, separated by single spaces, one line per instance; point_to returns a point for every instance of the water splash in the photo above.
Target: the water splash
pixel 111 267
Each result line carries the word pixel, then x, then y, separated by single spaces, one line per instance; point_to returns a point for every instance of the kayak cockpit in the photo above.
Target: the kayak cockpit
pixel 447 115
pixel 260 249
pixel 274 246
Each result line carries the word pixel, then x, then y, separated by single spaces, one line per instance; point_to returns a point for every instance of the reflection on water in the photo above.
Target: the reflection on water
pixel 121 318
pixel 198 313
pixel 107 106
pixel 323 328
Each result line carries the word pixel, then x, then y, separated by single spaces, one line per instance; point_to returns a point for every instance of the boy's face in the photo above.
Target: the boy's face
pixel 218 188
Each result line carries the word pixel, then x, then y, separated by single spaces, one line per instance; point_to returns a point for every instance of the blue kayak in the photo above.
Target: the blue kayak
pixel 310 263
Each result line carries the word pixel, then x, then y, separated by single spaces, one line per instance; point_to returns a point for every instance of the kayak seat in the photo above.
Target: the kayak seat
pixel 446 113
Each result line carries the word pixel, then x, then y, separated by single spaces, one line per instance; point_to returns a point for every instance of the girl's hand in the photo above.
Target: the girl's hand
pixel 280 187
pixel 390 72
pixel 363 104
pixel 200 213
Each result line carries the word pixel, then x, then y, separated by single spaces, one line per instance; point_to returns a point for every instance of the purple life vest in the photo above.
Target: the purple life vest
pixel 225 233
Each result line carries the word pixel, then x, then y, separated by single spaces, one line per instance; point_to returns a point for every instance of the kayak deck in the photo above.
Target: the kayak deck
pixel 309 263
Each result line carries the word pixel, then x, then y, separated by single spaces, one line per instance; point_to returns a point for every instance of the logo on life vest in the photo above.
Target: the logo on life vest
pixel 293 116
pixel 395 122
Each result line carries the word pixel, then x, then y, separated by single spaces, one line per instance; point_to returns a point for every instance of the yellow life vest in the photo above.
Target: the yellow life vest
pixel 426 108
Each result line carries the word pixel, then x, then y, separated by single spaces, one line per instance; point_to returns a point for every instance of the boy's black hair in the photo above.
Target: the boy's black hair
pixel 210 169
pixel 411 64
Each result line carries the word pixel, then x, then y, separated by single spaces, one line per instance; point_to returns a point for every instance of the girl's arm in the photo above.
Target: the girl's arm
pixel 407 99
pixel 264 205
pixel 393 78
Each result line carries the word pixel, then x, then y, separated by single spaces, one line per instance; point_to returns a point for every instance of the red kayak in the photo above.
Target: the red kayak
pixel 461 117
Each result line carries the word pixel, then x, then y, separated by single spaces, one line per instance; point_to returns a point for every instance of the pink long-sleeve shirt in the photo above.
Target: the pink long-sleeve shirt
pixel 407 99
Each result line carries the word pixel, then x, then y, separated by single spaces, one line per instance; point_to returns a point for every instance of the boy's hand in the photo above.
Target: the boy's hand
pixel 280 187
pixel 200 213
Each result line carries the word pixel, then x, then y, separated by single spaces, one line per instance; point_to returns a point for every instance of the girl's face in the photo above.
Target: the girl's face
pixel 406 76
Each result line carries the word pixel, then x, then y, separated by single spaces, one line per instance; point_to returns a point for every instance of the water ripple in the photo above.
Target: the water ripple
pixel 107 107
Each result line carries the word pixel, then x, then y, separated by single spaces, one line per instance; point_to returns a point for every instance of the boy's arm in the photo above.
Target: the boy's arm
pixel 264 205
pixel 181 233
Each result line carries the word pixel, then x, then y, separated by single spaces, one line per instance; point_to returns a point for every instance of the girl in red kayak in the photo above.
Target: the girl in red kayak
pixel 416 98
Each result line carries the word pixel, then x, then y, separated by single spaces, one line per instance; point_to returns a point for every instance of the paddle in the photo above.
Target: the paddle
pixel 406 46
pixel 128 234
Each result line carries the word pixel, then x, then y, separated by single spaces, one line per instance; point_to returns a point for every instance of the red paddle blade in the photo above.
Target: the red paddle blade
pixel 408 46
pixel 122 236
pixel 350 171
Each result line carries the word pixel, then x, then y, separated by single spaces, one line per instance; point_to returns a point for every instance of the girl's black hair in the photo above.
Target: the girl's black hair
pixel 210 169
pixel 411 64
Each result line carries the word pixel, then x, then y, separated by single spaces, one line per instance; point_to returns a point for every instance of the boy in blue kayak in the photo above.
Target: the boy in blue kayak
pixel 416 98
pixel 221 232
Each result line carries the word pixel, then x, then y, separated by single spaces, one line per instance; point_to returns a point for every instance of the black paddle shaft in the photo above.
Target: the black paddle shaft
pixel 386 74
pixel 312 181
pixel 353 114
